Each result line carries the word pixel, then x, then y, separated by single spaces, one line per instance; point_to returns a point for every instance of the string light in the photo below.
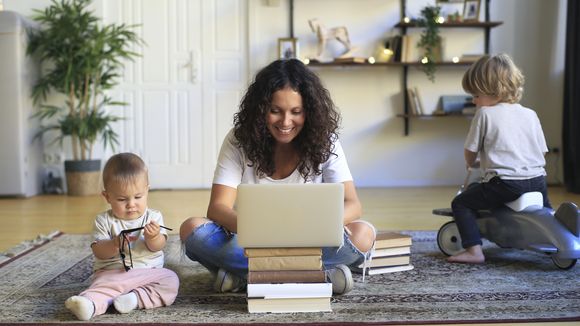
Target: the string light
pixel 440 20
pixel 406 20
pixel 306 61
pixel 371 60
pixel 455 59
pixel 424 60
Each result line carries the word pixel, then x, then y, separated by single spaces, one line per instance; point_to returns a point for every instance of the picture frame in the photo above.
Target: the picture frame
pixel 288 48
pixel 471 10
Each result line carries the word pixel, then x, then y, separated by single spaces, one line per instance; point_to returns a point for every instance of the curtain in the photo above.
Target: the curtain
pixel 571 114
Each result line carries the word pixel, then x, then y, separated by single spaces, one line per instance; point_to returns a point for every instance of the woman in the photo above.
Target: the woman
pixel 284 132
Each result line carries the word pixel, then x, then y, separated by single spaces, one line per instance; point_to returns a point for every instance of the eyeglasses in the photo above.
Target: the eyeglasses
pixel 125 241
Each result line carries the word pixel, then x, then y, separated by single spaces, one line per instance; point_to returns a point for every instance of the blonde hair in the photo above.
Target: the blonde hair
pixel 124 168
pixel 496 76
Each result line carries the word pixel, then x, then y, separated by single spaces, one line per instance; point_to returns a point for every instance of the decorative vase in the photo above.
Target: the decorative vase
pixel 83 177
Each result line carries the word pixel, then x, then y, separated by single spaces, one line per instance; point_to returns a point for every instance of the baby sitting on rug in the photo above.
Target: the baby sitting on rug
pixel 128 268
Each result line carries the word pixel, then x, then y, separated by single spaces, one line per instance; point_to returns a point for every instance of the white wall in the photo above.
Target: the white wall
pixel 369 97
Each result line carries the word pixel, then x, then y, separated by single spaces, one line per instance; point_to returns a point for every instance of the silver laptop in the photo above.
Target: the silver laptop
pixel 290 215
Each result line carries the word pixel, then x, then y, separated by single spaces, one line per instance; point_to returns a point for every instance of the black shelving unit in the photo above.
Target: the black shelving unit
pixel 486 25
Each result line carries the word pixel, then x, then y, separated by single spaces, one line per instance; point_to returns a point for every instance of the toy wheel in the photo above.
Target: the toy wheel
pixel 563 263
pixel 448 239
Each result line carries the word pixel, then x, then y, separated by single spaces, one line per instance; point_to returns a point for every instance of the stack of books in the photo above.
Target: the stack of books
pixel 287 280
pixel 392 253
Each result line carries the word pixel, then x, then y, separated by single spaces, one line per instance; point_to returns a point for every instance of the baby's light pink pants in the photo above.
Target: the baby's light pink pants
pixel 154 287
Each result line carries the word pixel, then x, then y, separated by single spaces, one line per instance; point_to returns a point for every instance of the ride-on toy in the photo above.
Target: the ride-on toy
pixel 523 224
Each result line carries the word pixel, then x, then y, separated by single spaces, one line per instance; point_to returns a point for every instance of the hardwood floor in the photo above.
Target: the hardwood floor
pixel 387 208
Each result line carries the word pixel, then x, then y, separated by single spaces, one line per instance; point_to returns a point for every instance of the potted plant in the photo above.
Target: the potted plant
pixel 430 40
pixel 80 60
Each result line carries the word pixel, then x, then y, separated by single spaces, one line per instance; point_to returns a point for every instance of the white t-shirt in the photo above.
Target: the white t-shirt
pixel 232 168
pixel 510 142
pixel 107 226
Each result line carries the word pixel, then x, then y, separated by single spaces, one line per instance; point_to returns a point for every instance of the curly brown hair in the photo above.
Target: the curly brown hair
pixel 315 141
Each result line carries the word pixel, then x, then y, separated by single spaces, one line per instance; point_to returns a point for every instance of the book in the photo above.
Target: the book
pixel 418 101
pixel 405 48
pixel 288 305
pixel 387 261
pixel 389 269
pixel 470 57
pixel 285 263
pixel 274 252
pixel 454 104
pixel 317 276
pixel 351 60
pixel 290 290
pixel 395 251
pixel 387 239
pixel 411 102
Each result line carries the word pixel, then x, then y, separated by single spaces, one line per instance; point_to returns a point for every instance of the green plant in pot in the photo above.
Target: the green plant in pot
pixel 430 40
pixel 80 60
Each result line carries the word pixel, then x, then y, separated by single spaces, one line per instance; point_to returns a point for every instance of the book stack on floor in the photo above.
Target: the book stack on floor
pixel 287 280
pixel 392 253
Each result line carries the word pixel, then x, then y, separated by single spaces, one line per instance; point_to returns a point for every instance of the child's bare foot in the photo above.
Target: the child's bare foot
pixel 472 255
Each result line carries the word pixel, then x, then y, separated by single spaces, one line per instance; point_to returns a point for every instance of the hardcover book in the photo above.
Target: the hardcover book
pixel 288 305
pixel 274 252
pixel 386 239
pixel 290 290
pixel 314 276
pixel 387 261
pixel 387 269
pixel 285 263
pixel 395 251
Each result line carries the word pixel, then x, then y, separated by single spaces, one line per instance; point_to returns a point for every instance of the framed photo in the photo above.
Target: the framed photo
pixel 471 10
pixel 287 48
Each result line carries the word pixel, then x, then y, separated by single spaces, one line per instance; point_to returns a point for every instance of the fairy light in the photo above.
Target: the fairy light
pixel 424 60
pixel 406 20
pixel 306 61
pixel 455 59
pixel 440 20
pixel 371 60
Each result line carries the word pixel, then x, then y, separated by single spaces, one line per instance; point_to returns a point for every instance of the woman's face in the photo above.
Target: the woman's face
pixel 285 118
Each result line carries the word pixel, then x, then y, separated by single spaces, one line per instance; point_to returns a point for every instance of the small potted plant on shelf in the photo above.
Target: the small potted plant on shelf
pixel 81 60
pixel 430 40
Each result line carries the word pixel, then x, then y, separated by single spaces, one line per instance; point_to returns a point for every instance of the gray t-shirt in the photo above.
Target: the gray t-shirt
pixel 510 142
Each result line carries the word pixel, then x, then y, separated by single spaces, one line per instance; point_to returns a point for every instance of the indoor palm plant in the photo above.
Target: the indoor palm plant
pixel 430 40
pixel 81 59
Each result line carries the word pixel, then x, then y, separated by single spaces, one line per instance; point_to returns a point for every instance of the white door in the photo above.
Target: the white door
pixel 183 90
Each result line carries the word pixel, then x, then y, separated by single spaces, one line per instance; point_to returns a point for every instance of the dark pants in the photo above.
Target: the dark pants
pixel 489 195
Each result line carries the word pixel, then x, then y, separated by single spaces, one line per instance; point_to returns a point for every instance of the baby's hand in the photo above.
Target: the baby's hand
pixel 151 230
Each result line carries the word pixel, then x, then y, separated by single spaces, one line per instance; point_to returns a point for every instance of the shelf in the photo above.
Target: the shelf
pixel 455 25
pixel 397 64
pixel 433 116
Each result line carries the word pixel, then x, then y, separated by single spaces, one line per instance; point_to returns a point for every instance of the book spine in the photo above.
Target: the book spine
pixel 315 276
pixel 290 290
pixel 275 252
pixel 298 263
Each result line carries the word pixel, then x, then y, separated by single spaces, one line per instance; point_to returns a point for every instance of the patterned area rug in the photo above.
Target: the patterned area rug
pixel 513 286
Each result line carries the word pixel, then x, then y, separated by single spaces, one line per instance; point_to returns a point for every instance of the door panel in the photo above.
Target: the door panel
pixel 184 88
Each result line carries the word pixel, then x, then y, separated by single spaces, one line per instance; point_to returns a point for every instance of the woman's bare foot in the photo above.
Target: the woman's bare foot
pixel 472 255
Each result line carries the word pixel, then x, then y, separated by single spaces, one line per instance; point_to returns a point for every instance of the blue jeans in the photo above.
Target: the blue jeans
pixel 489 195
pixel 214 247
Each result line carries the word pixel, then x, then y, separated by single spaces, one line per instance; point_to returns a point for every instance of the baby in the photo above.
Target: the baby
pixel 128 268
